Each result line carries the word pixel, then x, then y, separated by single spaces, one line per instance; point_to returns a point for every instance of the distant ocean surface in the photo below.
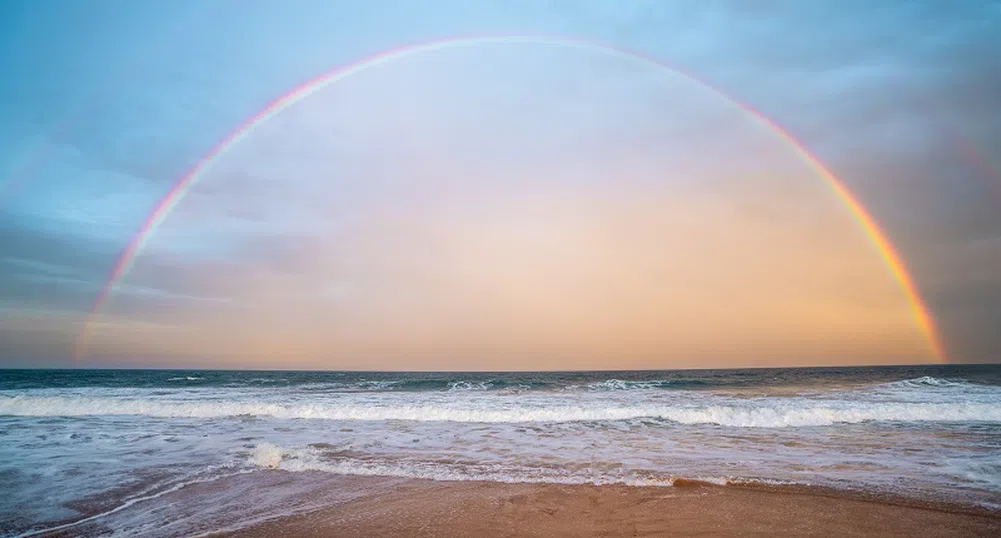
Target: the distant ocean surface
pixel 113 449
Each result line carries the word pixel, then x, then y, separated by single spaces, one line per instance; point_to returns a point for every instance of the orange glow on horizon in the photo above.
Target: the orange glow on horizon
pixel 582 233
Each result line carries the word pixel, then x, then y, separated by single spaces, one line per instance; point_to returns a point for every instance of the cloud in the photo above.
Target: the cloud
pixel 146 90
pixel 491 225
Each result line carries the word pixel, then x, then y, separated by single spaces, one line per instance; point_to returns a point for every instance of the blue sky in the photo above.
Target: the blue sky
pixel 107 103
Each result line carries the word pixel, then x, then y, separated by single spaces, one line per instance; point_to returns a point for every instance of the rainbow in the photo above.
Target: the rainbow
pixel 183 185
pixel 964 147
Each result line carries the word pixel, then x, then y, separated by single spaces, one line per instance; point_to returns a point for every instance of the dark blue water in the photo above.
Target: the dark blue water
pixel 418 381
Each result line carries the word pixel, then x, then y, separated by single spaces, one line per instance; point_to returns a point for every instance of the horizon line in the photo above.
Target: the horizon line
pixel 599 370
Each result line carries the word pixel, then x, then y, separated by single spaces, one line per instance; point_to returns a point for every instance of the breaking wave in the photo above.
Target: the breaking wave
pixel 270 456
pixel 926 381
pixel 764 413
pixel 938 386
pixel 618 384
pixel 422 385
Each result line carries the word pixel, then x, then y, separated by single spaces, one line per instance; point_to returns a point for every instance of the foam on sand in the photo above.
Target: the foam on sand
pixel 270 456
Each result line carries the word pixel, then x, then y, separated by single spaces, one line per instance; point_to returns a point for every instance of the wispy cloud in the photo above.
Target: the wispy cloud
pixel 123 98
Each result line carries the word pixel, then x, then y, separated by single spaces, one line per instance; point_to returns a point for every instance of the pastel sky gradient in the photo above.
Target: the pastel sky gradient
pixel 499 205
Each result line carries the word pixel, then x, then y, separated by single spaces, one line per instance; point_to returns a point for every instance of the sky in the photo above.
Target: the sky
pixel 499 204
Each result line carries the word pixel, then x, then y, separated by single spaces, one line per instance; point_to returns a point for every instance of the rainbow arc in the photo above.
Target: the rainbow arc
pixel 868 224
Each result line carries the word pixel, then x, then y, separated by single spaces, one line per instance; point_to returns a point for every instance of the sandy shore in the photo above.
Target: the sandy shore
pixel 447 509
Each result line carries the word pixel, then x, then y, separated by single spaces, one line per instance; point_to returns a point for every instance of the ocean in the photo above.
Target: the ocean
pixel 180 453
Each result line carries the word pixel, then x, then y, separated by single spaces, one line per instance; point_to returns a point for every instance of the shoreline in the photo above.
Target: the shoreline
pixel 791 452
pixel 859 495
pixel 319 504
pixel 452 509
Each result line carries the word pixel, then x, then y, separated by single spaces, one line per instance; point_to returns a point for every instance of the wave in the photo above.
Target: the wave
pixel 766 413
pixel 270 456
pixel 476 385
pixel 359 386
pixel 982 469
pixel 453 385
pixel 928 381
pixel 432 385
pixel 618 384
pixel 146 495
pixel 932 381
pixel 421 385
pixel 937 384
pixel 186 378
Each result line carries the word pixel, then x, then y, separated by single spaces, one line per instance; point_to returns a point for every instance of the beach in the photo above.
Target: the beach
pixel 884 451
pixel 422 508
pixel 500 268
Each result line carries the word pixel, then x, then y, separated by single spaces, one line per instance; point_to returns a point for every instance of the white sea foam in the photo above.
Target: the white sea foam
pixel 926 436
pixel 618 384
pixel 373 385
pixel 927 381
pixel 925 389
pixel 470 385
pixel 270 456
pixel 186 378
pixel 982 470
pixel 142 497
pixel 763 413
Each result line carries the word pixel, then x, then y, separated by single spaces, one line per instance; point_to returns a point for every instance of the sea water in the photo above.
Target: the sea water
pixel 113 450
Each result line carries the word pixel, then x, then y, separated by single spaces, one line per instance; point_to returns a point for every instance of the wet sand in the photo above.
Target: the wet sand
pixel 418 508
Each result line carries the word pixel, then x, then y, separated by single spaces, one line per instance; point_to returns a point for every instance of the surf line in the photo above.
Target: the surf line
pixel 165 206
